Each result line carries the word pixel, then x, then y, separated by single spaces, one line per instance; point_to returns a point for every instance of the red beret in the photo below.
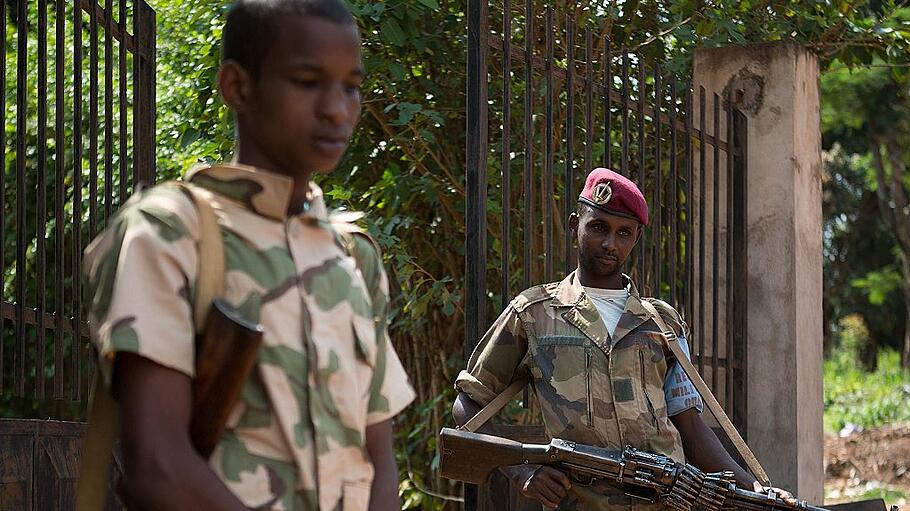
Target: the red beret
pixel 614 193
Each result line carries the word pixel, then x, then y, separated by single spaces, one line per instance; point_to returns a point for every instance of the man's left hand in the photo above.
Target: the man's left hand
pixel 783 494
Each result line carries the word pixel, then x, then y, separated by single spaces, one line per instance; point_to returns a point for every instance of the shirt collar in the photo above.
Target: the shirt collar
pixel 260 191
pixel 570 292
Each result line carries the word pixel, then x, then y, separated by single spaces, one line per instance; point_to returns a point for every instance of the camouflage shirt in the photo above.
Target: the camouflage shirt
pixel 593 388
pixel 326 370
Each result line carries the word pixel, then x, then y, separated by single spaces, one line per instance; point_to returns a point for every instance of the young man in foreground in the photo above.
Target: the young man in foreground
pixel 312 428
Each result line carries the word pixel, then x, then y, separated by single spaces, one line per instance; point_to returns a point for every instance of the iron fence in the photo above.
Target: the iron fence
pixel 548 99
pixel 70 159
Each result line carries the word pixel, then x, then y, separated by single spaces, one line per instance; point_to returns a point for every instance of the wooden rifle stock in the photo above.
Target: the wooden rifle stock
pixel 470 457
pixel 225 355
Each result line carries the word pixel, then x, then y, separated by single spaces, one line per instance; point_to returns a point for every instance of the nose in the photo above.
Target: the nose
pixel 333 106
pixel 607 242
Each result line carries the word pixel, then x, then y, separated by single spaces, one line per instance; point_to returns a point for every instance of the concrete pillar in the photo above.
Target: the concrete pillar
pixel 776 87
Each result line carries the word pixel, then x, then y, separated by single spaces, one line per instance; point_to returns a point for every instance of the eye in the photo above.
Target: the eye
pixel 306 83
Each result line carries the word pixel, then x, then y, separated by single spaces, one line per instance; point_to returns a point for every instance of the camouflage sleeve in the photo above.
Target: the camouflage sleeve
pixel 137 275
pixel 390 390
pixel 497 359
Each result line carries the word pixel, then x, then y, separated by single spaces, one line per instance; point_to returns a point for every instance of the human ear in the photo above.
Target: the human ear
pixel 234 86
pixel 573 222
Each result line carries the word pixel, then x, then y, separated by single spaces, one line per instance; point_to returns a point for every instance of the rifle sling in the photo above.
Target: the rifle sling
pixel 91 491
pixel 493 406
pixel 710 401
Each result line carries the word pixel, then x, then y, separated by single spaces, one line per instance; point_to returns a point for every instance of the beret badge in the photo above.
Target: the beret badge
pixel 602 193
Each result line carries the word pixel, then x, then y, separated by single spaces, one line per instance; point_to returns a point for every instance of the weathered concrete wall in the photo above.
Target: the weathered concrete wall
pixel 776 86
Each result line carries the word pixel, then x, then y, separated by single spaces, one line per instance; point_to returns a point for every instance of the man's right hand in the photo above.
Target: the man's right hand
pixel 541 483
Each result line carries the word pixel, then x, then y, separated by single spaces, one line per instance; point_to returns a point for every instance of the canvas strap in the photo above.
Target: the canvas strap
pixel 91 492
pixel 710 401
pixel 488 411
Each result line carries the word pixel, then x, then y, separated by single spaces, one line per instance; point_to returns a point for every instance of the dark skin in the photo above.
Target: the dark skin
pixel 604 242
pixel 294 118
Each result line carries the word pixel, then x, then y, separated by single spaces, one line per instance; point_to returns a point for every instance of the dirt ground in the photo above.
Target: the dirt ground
pixel 874 463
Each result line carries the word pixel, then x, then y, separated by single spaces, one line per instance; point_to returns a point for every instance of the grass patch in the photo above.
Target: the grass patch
pixel 857 397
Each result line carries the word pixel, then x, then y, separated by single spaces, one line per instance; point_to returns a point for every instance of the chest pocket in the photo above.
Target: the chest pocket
pixel 562 370
pixel 639 368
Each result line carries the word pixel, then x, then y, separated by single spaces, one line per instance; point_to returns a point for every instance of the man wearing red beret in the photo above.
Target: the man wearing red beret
pixel 592 351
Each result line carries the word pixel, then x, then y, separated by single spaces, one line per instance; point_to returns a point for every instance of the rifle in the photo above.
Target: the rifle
pixel 470 457
pixel 226 352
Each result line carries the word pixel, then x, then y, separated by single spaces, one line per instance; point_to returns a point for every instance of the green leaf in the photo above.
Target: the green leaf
pixel 430 3
pixel 391 32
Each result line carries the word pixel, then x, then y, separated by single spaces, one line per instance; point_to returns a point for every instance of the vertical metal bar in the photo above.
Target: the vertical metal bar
pixel 476 188
pixel 506 232
pixel 59 197
pixel 608 106
pixel 547 193
pixel 741 270
pixel 657 183
pixel 144 92
pixel 93 127
pixel 624 164
pixel 149 131
pixel 715 244
pixel 528 206
pixel 640 175
pixel 568 199
pixel 77 197
pixel 673 245
pixel 689 272
pixel 123 109
pixel 108 111
pixel 3 153
pixel 41 217
pixel 21 210
pixel 728 252
pixel 589 100
pixel 476 178
pixel 702 161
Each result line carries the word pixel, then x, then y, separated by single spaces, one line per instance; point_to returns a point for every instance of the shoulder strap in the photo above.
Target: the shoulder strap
pixel 91 492
pixel 210 281
pixel 710 401
pixel 493 406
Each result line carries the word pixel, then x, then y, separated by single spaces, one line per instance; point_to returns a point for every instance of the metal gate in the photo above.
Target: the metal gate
pixel 78 82
pixel 548 100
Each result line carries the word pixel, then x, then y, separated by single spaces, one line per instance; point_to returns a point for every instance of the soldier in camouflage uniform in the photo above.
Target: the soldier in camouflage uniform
pixel 595 359
pixel 312 428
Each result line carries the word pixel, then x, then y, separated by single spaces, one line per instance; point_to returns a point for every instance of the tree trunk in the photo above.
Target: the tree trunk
pixel 905 268
pixel 895 211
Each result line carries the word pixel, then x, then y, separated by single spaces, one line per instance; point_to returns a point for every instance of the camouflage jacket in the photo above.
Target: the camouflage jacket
pixel 326 370
pixel 592 388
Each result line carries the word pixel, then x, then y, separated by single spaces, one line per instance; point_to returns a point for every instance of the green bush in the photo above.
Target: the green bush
pixel 853 396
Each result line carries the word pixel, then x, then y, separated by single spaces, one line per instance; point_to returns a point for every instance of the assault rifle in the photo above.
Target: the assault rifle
pixel 470 457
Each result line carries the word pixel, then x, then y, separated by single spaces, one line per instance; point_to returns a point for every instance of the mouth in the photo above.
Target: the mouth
pixel 608 259
pixel 330 145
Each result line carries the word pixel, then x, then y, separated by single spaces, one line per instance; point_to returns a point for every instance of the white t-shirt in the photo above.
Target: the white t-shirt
pixel 679 392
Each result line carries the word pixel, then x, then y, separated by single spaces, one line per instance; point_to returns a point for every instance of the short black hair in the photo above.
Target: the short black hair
pixel 251 25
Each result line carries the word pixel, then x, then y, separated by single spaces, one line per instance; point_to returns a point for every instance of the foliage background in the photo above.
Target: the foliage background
pixel 406 161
